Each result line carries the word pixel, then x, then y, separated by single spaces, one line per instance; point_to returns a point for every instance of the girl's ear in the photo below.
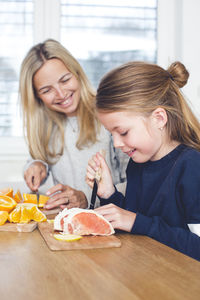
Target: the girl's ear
pixel 160 117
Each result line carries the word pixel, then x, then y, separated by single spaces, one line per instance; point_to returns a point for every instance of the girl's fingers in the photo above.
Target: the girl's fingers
pixel 94 163
pixel 115 224
pixel 118 217
pixel 105 209
pixel 90 177
pixel 90 183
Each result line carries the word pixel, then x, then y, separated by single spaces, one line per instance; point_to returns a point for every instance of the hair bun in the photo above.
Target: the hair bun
pixel 179 73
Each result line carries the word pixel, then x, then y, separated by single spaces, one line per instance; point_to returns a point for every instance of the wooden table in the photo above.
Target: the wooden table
pixel 141 269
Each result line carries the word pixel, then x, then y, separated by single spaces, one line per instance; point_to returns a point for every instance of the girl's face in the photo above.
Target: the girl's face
pixel 138 136
pixel 57 87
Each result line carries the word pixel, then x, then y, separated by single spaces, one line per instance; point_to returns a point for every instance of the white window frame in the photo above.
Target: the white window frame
pixel 47 25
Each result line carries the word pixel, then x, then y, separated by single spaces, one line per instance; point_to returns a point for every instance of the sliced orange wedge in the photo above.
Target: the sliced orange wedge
pixel 30 198
pixel 42 200
pixel 3 217
pixel 7 203
pixel 67 237
pixel 25 212
pixel 37 215
pixel 7 192
pixel 15 215
pixel 26 215
pixel 18 196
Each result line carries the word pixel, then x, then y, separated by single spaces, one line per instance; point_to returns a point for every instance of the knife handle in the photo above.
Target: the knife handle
pixel 94 195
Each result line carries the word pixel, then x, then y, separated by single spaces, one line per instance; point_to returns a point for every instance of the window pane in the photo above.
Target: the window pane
pixel 16 35
pixel 102 34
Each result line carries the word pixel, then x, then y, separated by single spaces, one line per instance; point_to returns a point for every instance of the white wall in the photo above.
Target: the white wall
pixel 13 155
pixel 178 39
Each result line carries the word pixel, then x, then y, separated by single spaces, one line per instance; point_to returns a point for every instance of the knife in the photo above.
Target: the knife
pixel 36 192
pixel 94 194
pixel 37 195
pixel 96 180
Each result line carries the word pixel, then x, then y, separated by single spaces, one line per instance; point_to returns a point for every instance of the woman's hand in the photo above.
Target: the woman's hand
pixel 34 175
pixel 64 196
pixel 105 185
pixel 119 218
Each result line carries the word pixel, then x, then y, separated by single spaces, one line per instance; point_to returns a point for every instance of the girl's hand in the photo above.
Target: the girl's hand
pixel 34 175
pixel 105 186
pixel 119 218
pixel 64 196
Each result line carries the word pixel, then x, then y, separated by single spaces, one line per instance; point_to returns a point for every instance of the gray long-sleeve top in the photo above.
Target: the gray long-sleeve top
pixel 70 169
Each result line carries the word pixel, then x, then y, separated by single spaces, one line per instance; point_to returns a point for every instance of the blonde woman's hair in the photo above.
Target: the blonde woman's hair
pixel 143 87
pixel 44 128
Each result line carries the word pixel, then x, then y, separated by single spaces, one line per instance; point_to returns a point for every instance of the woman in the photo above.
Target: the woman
pixel 60 126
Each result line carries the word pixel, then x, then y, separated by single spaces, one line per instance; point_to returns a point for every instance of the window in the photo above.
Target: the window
pixel 16 35
pixel 100 34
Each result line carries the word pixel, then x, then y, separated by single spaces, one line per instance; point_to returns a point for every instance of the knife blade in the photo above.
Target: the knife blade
pixel 36 192
pixel 94 194
pixel 96 180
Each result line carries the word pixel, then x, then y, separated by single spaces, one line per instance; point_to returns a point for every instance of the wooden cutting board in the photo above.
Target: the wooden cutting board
pixel 86 242
pixel 48 212
pixel 19 227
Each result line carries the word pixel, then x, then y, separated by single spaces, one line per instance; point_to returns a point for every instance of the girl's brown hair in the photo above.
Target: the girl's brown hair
pixel 143 87
pixel 44 128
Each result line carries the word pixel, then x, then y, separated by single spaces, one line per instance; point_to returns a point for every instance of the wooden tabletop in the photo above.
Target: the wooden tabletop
pixel 140 269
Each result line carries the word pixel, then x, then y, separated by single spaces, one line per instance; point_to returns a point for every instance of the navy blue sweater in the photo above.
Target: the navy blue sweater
pixel 165 195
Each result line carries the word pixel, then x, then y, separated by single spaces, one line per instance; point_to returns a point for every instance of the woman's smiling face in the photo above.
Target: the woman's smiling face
pixel 137 136
pixel 57 87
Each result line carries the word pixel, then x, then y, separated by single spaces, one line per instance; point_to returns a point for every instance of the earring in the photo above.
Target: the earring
pixel 161 128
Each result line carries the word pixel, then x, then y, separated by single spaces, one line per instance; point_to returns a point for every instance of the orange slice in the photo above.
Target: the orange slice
pixel 37 215
pixel 7 192
pixel 67 237
pixel 26 215
pixel 25 212
pixel 30 198
pixel 18 196
pixel 15 215
pixel 7 203
pixel 42 200
pixel 3 217
pixel 22 213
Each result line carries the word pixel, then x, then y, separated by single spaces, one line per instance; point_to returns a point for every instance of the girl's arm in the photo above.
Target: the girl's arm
pixel 179 239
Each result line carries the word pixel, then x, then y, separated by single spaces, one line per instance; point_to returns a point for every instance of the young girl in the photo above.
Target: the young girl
pixel 143 108
pixel 60 127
